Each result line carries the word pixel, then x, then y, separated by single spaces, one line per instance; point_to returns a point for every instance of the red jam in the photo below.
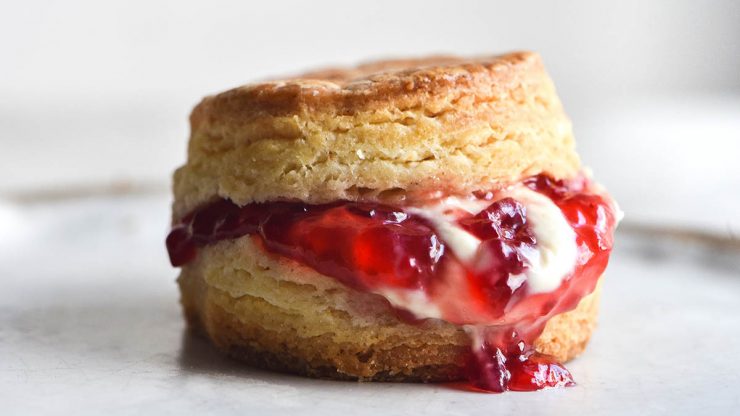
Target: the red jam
pixel 371 246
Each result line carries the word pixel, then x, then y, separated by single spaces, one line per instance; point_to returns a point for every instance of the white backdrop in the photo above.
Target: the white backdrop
pixel 93 49
pixel 97 92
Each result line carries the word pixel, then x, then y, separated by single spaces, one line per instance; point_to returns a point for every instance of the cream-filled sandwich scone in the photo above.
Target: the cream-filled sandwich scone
pixel 408 220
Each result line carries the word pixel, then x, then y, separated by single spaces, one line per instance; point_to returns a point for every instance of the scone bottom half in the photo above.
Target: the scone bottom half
pixel 467 246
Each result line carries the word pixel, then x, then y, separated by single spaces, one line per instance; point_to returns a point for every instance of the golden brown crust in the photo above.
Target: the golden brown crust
pixel 402 84
pixel 405 127
pixel 276 314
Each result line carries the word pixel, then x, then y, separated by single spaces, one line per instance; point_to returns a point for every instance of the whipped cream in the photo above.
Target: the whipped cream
pixel 552 260
pixel 556 250
pixel 443 217
pixel 415 301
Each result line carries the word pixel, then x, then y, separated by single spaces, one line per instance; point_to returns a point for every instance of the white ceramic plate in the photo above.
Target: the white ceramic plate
pixel 90 324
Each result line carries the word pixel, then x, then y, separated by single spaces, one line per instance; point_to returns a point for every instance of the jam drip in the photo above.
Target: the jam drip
pixel 513 365
pixel 375 247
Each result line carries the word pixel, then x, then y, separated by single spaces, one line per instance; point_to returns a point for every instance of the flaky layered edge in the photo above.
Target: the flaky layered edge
pixel 450 126
pixel 276 314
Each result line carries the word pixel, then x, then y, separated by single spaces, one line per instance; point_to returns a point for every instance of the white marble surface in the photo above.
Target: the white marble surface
pixel 90 324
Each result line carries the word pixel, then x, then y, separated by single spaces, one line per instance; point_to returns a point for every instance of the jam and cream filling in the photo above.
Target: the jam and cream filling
pixel 499 264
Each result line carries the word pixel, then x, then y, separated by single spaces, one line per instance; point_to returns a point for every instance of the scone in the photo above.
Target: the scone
pixel 409 220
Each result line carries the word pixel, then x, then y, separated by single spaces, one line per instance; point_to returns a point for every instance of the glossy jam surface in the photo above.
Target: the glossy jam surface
pixel 377 248
pixel 498 365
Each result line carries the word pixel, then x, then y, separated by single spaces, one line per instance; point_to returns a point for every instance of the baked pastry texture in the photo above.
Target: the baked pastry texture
pixel 276 314
pixel 444 124
pixel 396 133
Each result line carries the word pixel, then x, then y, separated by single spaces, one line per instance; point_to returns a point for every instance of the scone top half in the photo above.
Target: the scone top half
pixel 385 131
